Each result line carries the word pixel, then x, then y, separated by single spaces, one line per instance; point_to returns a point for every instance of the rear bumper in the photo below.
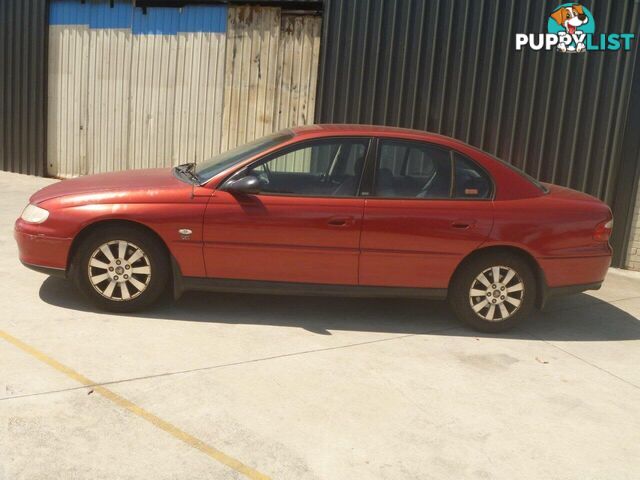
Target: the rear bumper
pixel 567 272
pixel 568 276
pixel 41 252
pixel 548 293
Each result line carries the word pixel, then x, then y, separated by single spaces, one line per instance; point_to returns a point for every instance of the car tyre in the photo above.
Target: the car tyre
pixel 121 269
pixel 493 292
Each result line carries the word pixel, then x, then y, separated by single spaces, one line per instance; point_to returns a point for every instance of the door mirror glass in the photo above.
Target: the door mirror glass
pixel 249 185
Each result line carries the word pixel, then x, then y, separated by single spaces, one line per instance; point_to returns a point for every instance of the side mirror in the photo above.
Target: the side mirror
pixel 248 185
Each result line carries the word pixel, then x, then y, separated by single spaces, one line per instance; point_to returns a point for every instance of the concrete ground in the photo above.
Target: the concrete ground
pixel 235 386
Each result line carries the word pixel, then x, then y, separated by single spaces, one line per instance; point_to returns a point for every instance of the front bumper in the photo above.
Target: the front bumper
pixel 42 252
pixel 53 272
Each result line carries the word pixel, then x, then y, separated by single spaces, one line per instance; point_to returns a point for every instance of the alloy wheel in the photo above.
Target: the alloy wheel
pixel 496 293
pixel 119 270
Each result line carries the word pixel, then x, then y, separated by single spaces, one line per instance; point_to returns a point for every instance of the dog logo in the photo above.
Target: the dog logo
pixel 572 29
pixel 572 22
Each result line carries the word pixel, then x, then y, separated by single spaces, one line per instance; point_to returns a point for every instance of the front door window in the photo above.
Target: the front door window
pixel 330 168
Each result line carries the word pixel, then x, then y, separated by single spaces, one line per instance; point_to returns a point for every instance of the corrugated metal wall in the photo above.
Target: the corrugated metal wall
pixel 67 98
pixel 22 85
pixel 200 89
pixel 133 89
pixel 271 72
pixel 297 73
pixel 252 52
pixel 176 98
pixel 108 121
pixel 451 67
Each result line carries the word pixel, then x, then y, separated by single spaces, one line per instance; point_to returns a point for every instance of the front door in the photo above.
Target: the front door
pixel 303 226
pixel 430 208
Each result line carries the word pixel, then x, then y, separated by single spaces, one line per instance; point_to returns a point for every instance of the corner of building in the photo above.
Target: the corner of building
pixel 632 261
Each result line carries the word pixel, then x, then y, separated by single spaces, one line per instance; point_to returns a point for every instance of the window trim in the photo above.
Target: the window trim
pixel 297 146
pixel 451 153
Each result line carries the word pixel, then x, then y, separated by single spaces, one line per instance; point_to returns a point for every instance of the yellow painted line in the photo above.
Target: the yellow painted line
pixel 139 411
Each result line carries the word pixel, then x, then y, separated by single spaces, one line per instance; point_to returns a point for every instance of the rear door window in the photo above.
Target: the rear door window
pixel 410 169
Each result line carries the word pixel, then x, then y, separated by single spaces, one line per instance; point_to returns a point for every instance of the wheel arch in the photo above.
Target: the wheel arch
pixel 92 227
pixel 541 282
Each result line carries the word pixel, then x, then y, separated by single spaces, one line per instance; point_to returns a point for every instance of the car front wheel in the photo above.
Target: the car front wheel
pixel 121 269
pixel 493 292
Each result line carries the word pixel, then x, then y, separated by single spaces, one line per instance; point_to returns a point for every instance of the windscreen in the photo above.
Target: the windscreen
pixel 210 168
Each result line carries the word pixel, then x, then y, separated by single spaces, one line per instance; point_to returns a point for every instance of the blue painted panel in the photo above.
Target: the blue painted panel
pixel 161 21
pixel 156 20
pixel 64 12
pixel 95 14
pixel 103 16
pixel 211 19
pixel 191 18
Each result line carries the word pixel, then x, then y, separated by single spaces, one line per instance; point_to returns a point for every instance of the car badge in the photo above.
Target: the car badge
pixel 185 233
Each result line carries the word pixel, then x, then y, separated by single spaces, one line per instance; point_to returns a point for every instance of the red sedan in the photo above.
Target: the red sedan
pixel 326 209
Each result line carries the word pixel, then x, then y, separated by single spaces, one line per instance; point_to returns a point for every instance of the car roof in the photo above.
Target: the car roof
pixel 330 129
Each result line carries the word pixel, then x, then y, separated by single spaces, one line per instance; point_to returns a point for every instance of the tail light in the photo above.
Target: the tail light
pixel 603 231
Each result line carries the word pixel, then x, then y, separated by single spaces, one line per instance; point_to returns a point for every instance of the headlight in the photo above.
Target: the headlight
pixel 33 214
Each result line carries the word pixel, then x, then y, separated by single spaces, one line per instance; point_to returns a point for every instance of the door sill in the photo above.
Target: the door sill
pixel 303 289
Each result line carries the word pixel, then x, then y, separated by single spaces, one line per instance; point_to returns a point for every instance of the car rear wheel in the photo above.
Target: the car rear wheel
pixel 493 292
pixel 121 269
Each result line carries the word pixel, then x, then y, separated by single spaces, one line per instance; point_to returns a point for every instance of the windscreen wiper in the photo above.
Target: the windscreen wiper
pixel 188 170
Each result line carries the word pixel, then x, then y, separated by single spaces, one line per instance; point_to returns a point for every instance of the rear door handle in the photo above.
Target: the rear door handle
pixel 340 221
pixel 462 224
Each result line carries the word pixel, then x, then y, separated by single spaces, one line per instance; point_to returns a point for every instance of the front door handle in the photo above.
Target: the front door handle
pixel 462 224
pixel 340 221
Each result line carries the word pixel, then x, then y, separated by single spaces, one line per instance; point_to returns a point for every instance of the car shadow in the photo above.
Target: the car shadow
pixel 576 318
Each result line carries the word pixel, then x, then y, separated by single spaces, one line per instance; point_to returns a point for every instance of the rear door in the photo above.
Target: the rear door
pixel 304 225
pixel 429 207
